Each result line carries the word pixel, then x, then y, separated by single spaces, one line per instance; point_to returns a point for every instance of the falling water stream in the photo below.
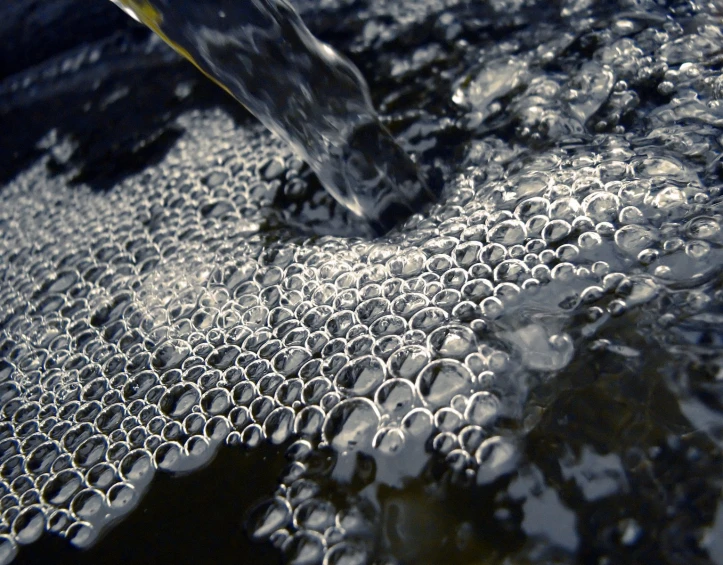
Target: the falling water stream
pixel 205 357
pixel 302 90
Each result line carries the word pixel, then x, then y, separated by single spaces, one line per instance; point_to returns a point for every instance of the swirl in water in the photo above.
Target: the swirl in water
pixel 300 88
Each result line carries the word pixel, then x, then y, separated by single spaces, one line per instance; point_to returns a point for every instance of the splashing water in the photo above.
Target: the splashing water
pixel 302 90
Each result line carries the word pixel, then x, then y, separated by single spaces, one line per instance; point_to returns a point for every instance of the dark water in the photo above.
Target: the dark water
pixel 528 371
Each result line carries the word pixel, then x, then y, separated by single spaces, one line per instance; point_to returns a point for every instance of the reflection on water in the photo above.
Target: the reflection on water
pixel 529 371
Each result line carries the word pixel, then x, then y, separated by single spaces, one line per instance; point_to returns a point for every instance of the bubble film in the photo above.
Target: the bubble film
pixel 526 371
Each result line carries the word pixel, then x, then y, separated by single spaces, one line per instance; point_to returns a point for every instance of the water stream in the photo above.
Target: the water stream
pixel 301 89
pixel 199 364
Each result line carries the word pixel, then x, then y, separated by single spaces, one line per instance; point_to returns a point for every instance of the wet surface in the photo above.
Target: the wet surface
pixel 528 371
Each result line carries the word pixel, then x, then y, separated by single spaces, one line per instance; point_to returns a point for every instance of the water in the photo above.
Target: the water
pixel 302 90
pixel 529 371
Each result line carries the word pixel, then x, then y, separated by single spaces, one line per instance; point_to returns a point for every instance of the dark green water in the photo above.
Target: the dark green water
pixel 528 371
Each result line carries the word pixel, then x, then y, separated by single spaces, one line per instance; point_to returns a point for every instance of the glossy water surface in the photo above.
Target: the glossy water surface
pixel 528 371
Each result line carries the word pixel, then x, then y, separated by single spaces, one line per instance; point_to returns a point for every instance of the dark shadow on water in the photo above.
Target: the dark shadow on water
pixel 189 520
pixel 118 116
pixel 35 30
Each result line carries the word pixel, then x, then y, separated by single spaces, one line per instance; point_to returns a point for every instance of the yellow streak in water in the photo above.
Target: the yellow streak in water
pixel 152 18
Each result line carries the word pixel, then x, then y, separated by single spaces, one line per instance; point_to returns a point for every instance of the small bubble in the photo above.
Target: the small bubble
pixel 496 456
pixel 452 341
pixel 28 526
pixel 268 517
pixel 444 442
pixel 252 436
pixel 278 426
pixel 351 424
pixel 388 440
pixel 305 547
pixel 447 419
pixel 418 423
pixel 556 230
pixel 122 497
pixel 482 409
pixel 361 377
pixel 395 397
pixel 87 504
pixel 441 380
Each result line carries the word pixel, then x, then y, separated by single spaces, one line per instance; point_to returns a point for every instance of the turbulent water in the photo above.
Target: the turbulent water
pixel 528 371
pixel 301 89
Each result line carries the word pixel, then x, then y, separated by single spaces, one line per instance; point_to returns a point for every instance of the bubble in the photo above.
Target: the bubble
pixel 388 441
pixel 351 424
pixel 122 497
pixel 388 325
pixel 41 458
pixel 564 209
pixel 28 526
pixel 8 549
pixel 268 517
pixel 444 443
pixel 305 548
pixel 361 377
pixel 452 341
pixel 166 286
pixel 372 309
pixel 447 419
pixel 428 318
pixel 467 254
pixel 279 424
pixel 179 400
pixel 697 250
pixel 441 380
pixel 531 207
pixel 556 230
pixel 252 436
pixel 395 397
pixel 471 437
pixel 412 298
pixel 309 421
pixel 137 466
pixel 314 514
pixel 61 488
pixel 492 307
pixel 87 504
pixel 170 355
pixel 496 456
pixel 483 408
pixel 407 265
pixel 633 238
pixel 346 553
pixel 703 227
pixel 91 451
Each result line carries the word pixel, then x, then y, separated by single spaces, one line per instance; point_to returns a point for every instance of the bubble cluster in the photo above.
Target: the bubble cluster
pixel 143 327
